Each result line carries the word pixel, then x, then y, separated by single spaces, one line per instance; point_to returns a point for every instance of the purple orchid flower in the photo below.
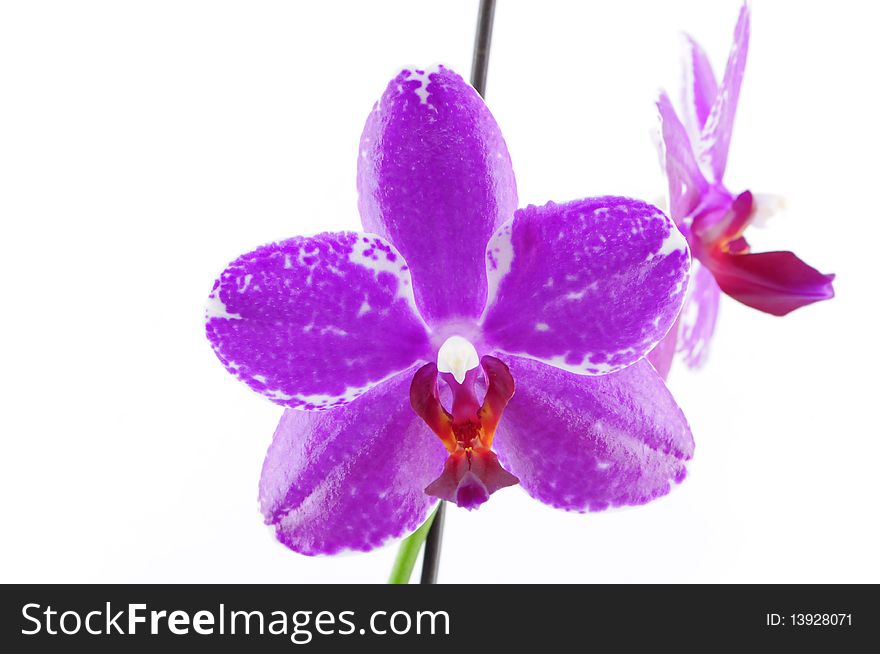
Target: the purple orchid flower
pixel 713 219
pixel 395 350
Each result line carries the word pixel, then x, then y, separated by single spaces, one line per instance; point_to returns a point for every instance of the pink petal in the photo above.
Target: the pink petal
pixel 435 179
pixel 351 477
pixel 715 138
pixel 590 286
pixel 691 333
pixel 687 186
pixel 588 443
pixel 700 87
pixel 315 322
pixel 661 357
pixel 698 317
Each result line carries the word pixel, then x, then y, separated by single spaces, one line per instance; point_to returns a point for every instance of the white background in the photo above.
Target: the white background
pixel 143 145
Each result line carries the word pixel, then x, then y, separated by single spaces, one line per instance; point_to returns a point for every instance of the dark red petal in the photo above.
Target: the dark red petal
pixel 500 388
pixel 424 397
pixel 773 282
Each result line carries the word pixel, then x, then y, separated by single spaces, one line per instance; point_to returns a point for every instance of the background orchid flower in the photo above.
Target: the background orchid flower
pixel 458 345
pixel 714 219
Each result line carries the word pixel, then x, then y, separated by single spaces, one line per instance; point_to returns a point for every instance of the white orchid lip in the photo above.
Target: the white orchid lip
pixel 457 355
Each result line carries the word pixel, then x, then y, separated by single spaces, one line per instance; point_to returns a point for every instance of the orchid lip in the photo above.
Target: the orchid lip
pixel 472 471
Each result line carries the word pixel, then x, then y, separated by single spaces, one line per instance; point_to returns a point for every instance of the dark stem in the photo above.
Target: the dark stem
pixel 482 43
pixel 479 71
pixel 433 543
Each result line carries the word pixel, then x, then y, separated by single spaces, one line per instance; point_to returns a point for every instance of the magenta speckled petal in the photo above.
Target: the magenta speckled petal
pixel 435 179
pixel 590 286
pixel 588 443
pixel 715 137
pixel 687 186
pixel 353 477
pixel 698 318
pixel 700 87
pixel 314 322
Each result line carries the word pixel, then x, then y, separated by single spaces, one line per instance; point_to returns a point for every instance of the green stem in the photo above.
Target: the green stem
pixel 409 552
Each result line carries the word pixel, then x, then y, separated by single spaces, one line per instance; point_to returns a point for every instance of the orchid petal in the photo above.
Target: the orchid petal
pixel 698 317
pixel 700 87
pixel 691 333
pixel 662 355
pixel 773 282
pixel 314 322
pixel 686 183
pixel 435 178
pixel 353 477
pixel 715 137
pixel 588 443
pixel 590 286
